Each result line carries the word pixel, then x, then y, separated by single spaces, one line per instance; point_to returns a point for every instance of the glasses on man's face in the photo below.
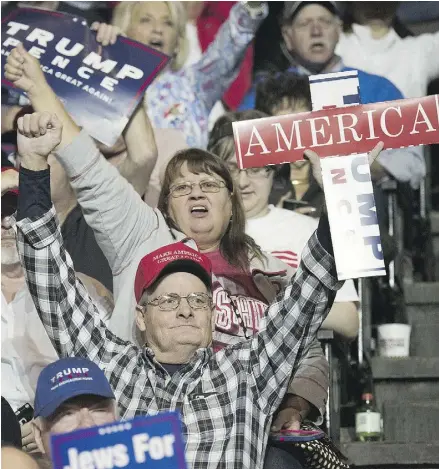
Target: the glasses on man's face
pixel 172 301
pixel 185 188
pixel 252 173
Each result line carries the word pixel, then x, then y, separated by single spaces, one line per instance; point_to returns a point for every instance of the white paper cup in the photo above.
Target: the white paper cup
pixel 394 340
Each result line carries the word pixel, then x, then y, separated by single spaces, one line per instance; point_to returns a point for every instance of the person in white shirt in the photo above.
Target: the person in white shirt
pixel 25 346
pixel 278 231
pixel 370 43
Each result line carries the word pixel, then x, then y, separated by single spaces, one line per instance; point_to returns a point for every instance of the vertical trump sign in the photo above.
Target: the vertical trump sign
pixel 342 132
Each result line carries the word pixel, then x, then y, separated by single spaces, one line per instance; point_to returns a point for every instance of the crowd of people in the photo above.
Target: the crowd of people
pixel 175 278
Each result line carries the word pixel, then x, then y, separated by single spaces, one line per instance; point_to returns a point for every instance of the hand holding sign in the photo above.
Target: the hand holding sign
pixel 106 33
pixel 316 167
pixel 24 71
pixel 153 442
pixel 38 135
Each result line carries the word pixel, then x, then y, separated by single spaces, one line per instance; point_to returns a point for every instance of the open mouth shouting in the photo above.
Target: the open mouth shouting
pixel 199 210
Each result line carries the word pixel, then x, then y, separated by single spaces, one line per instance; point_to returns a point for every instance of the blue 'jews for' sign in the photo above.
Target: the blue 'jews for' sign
pixel 153 442
pixel 99 86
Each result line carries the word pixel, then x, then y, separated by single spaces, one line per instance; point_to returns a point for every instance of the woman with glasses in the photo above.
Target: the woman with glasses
pixel 281 232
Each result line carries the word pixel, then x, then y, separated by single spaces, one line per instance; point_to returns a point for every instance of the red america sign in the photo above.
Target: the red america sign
pixel 337 131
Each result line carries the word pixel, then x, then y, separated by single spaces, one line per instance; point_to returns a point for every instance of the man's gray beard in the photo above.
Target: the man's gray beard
pixel 10 255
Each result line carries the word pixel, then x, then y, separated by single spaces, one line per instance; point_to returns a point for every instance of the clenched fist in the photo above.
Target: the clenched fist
pixel 38 135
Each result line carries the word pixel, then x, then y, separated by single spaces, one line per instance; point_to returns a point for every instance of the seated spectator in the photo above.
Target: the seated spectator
pixel 15 458
pixel 272 227
pixel 310 32
pixel 199 205
pixel 247 381
pixel 183 98
pixel 84 400
pixel 278 95
pixel 25 347
pixel 371 43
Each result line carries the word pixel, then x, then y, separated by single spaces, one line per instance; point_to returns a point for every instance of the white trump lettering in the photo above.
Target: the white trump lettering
pixel 128 71
pixel 95 61
pixel 42 36
pixel 15 27
pixel 108 83
pixel 60 62
pixel 36 52
pixel 85 72
pixel 61 47
pixel 11 41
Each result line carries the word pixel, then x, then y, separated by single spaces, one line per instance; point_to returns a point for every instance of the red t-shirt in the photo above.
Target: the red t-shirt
pixel 238 302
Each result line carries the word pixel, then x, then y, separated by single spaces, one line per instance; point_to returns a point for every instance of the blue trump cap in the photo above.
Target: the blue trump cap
pixel 67 378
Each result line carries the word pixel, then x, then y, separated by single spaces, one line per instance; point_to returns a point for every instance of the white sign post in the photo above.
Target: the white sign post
pixel 348 188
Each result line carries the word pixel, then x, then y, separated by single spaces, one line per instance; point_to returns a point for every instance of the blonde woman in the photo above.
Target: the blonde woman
pixel 183 98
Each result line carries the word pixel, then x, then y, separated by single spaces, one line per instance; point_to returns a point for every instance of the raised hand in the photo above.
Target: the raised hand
pixel 38 135
pixel 314 159
pixel 24 71
pixel 106 33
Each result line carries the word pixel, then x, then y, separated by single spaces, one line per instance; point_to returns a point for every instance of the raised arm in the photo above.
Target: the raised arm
pixel 115 212
pixel 219 65
pixel 290 326
pixel 71 319
pixel 137 149
pixel 293 320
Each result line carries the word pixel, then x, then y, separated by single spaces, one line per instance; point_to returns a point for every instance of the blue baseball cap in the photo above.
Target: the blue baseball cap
pixel 67 378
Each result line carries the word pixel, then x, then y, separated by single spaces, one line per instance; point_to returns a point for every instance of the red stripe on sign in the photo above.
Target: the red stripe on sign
pixel 337 132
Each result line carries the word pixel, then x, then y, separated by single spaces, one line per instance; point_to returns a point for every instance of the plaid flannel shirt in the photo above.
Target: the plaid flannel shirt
pixel 226 399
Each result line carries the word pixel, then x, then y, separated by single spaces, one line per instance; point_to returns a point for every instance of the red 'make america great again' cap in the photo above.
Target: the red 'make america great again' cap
pixel 177 257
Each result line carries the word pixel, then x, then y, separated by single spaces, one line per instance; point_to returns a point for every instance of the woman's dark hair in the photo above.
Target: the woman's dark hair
pixel 236 246
pixel 274 91
pixel 221 142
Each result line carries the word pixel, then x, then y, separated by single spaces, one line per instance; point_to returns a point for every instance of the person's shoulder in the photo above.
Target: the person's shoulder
pixel 282 214
pixel 377 87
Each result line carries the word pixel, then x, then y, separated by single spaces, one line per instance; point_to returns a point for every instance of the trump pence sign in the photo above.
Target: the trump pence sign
pixel 99 86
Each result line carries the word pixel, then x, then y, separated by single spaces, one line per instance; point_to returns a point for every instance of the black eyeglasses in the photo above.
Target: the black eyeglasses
pixel 185 188
pixel 252 173
pixel 172 301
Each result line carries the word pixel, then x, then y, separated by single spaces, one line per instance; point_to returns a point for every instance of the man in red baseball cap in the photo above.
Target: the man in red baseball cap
pixel 226 399
pixel 174 303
